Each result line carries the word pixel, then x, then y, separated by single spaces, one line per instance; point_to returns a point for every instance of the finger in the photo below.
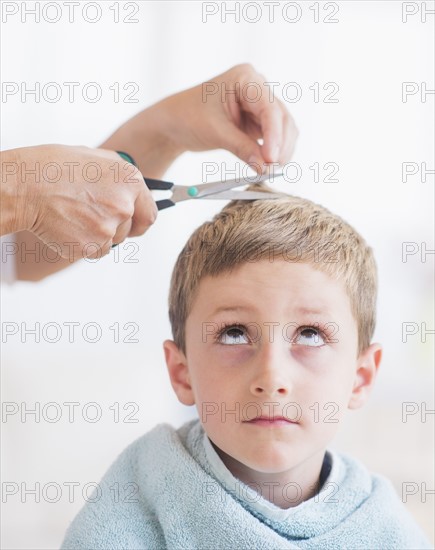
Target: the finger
pixel 145 209
pixel 290 135
pixel 97 253
pixel 241 145
pixel 122 232
pixel 271 124
pixel 145 212
pixel 269 117
pixel 252 129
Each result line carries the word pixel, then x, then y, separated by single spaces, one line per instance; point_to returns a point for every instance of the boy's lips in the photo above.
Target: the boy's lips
pixel 265 420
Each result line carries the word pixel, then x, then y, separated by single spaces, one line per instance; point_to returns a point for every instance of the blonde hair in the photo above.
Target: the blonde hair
pixel 289 228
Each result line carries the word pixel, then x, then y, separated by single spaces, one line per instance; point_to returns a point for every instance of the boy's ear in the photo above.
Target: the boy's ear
pixel 367 367
pixel 178 372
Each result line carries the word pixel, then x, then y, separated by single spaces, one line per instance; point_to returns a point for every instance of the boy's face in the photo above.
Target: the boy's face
pixel 289 351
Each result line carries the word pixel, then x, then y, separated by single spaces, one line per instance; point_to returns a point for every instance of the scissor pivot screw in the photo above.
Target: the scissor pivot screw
pixel 192 191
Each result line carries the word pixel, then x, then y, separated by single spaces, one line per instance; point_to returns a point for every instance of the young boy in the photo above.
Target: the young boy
pixel 272 306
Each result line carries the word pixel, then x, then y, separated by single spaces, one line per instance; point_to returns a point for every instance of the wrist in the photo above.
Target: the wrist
pixel 13 193
pixel 167 122
pixel 147 138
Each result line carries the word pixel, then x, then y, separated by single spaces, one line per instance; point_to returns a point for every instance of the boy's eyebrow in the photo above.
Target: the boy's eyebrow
pixel 311 310
pixel 232 308
pixel 301 310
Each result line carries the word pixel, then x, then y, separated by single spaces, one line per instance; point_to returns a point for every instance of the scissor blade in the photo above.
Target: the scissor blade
pixel 244 195
pixel 218 186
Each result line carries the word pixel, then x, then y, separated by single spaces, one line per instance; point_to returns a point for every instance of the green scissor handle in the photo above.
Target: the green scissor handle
pixel 126 157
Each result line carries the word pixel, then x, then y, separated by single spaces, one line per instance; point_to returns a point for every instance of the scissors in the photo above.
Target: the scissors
pixel 221 190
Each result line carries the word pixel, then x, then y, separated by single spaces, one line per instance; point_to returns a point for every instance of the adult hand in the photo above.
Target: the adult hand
pixel 232 111
pixel 78 201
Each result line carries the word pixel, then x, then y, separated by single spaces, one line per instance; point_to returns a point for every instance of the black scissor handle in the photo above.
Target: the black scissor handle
pixel 164 203
pixel 158 185
pixel 152 184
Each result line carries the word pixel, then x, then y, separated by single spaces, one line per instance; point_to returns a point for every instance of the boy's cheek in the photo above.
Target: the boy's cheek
pixel 320 360
pixel 212 360
pixel 327 361
pixel 231 356
pixel 216 358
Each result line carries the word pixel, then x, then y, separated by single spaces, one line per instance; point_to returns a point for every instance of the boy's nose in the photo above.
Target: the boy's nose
pixel 271 376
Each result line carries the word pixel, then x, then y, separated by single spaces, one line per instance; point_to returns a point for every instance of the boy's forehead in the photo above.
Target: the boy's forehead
pixel 303 310
pixel 298 287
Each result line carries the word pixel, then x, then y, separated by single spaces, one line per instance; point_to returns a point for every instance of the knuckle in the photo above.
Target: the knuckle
pixel 243 70
pixel 152 214
pixel 106 232
pixel 136 176
pixel 105 248
pixel 125 209
pixel 246 67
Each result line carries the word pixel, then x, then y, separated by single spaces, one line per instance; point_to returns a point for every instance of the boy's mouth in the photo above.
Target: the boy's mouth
pixel 265 420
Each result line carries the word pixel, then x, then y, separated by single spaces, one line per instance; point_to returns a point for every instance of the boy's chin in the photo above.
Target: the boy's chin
pixel 272 465
pixel 271 462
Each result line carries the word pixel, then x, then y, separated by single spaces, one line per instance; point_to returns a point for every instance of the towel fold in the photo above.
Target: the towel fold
pixel 161 493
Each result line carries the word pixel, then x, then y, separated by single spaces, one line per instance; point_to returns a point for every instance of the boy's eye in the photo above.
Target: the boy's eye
pixel 233 335
pixel 309 336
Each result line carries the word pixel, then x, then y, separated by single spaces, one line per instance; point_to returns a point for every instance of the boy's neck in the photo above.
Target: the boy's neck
pixel 284 489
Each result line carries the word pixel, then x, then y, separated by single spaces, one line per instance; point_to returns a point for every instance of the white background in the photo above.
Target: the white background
pixel 369 133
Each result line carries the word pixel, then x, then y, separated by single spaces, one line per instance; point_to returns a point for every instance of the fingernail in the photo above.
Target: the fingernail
pixel 274 152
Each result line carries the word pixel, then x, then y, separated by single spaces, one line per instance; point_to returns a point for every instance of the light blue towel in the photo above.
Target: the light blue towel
pixel 161 493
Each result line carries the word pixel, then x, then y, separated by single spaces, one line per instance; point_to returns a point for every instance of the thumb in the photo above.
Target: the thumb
pixel 244 147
